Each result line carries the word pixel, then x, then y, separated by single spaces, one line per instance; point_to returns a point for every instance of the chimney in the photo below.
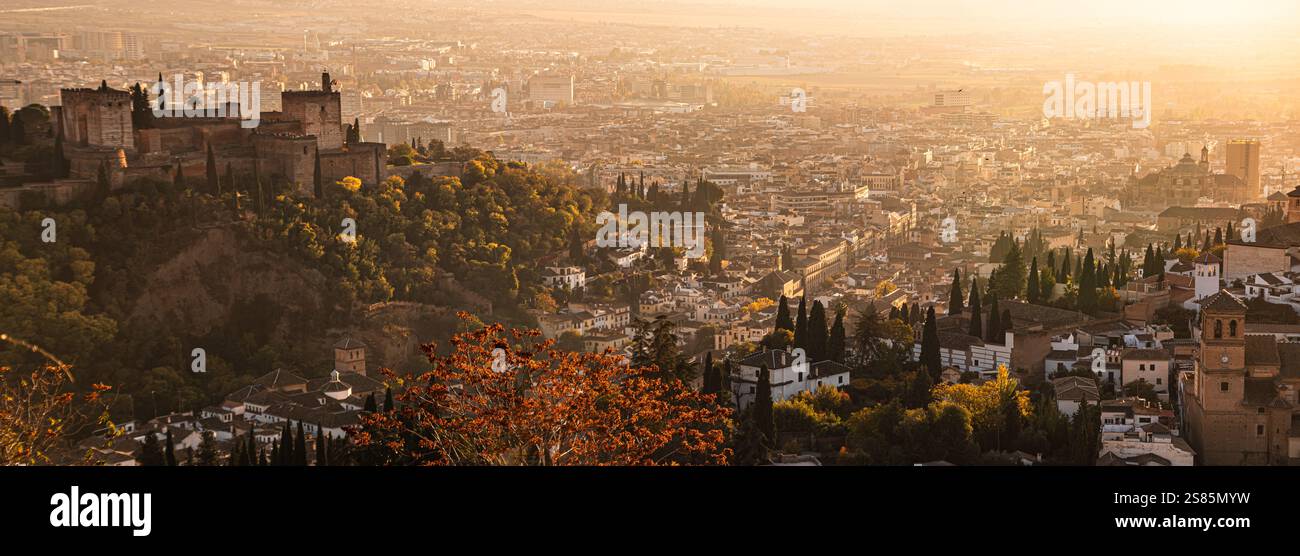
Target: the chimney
pixel 325 82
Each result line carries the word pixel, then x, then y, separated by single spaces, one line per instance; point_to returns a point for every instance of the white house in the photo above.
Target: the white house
pixel 570 277
pixel 789 375
pixel 1149 365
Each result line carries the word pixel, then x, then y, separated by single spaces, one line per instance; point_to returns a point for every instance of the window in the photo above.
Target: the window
pixel 1232 329
pixel 1142 367
pixel 840 380
pixel 800 377
pixel 1260 411
pixel 1159 381
pixel 1223 386
pixel 1259 430
pixel 1218 328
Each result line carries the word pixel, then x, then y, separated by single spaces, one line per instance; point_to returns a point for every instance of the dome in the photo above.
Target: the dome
pixel 335 388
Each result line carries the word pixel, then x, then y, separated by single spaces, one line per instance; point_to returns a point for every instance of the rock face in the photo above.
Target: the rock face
pixel 199 287
pixel 207 282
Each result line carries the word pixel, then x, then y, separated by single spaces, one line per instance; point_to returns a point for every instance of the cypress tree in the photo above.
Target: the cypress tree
pixel 930 358
pixel 1032 284
pixel 801 325
pixel 976 312
pixel 817 332
pixel 783 320
pixel 955 294
pixel 318 187
pixel 169 450
pixel 300 447
pixel 1088 285
pixel 995 324
pixel 178 178
pixel 388 399
pixel 370 406
pixel 708 386
pixel 836 342
pixel 151 452
pixel 286 446
pixel 321 457
pixel 214 183
pixel 762 410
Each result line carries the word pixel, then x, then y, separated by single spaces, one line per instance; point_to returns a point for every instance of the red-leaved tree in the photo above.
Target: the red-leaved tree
pixel 512 399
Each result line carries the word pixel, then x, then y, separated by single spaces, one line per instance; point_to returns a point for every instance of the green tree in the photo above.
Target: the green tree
pixel 783 314
pixel 976 312
pixel 835 344
pixel 1011 275
pixel 322 456
pixel 169 450
pixel 994 335
pixel 300 447
pixel 208 455
pixel 151 452
pixel 930 358
pixel 801 325
pixel 817 337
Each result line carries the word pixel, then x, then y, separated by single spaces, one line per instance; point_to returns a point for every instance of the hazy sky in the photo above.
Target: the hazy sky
pixel 936 16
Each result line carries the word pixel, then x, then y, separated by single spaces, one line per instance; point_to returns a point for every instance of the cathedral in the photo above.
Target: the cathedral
pixel 1183 184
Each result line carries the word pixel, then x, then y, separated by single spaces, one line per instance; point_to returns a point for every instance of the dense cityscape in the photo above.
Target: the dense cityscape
pixel 333 235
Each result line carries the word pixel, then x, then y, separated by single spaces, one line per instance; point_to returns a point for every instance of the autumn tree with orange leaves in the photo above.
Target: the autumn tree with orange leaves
pixel 513 399
pixel 39 412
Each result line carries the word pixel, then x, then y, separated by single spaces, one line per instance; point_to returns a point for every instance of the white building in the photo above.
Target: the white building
pixel 789 376
pixel 1149 445
pixel 570 277
pixel 1147 365
pixel 551 89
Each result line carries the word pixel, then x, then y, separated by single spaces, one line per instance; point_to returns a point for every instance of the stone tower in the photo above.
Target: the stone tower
pixel 350 356
pixel 97 117
pixel 319 112
pixel 1221 372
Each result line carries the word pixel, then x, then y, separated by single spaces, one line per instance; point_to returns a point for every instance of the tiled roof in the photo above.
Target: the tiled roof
pixel 1223 301
pixel 1261 350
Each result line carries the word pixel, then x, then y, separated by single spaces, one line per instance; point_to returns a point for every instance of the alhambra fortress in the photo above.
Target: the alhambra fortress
pixel 98 131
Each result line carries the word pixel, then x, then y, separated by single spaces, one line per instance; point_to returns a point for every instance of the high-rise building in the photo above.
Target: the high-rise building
pixel 1243 162
pixel 552 89
pixel 960 97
